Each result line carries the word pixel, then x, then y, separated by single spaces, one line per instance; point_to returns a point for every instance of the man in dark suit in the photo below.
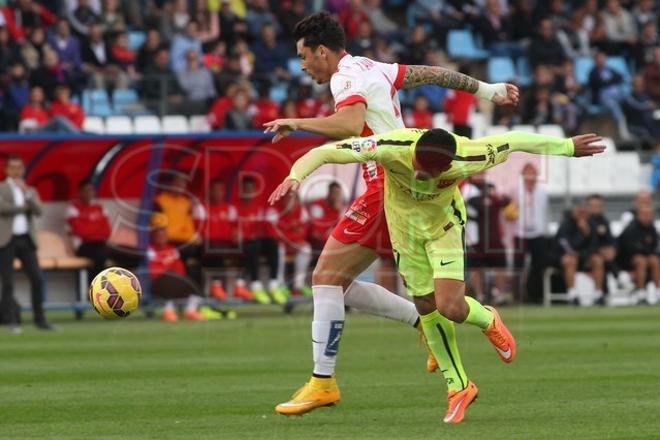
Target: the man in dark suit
pixel 19 204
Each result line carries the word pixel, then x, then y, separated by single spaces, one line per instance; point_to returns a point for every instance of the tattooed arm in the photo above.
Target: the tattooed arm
pixel 500 93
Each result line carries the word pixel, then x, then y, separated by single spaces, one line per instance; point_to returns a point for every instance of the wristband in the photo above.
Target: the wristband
pixel 487 91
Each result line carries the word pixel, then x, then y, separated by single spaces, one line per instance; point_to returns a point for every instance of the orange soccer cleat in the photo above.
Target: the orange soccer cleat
pixel 501 337
pixel 217 291
pixel 458 401
pixel 169 315
pixel 193 315
pixel 243 293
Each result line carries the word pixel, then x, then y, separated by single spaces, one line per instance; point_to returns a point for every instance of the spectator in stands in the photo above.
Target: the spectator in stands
pixel 530 235
pixel 50 74
pixel 66 45
pixel 327 106
pixel 232 26
pixel 324 215
pixel 32 50
pixel 589 21
pixel 169 280
pixel 620 29
pixel 289 16
pixel 122 55
pixel 21 17
pixel 652 77
pixel 291 232
pixel 259 16
pixel 638 108
pixel 16 95
pixel 606 90
pixel 522 21
pixel 648 40
pixel 98 63
pixel 159 87
pixel 209 23
pixel 545 49
pixel 439 15
pixel 84 17
pixel 239 116
pixel 638 245
pixel 605 242
pixel 642 199
pixel 255 242
pixel 34 113
pixel 420 116
pixel 173 18
pixel 496 30
pixel 63 107
pixel 307 105
pixel 218 226
pixel 197 84
pixel 363 41
pixel 264 109
pixel 573 38
pixel 147 52
pixel 384 51
pixel 645 12
pixel 216 57
pixel 351 17
pixel 245 57
pixel 176 204
pixel 272 56
pixel 89 227
pixel 576 248
pixel 288 109
pixel 184 43
pixel 417 46
pixel 19 204
pixel 434 95
pixel 112 17
pixel 458 106
pixel 9 50
pixel 488 253
pixel 383 25
pixel 217 114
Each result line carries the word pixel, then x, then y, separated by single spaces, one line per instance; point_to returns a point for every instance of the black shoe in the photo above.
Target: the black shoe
pixel 44 325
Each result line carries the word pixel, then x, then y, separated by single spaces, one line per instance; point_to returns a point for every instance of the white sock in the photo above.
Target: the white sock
pixel 327 327
pixel 572 293
pixel 169 304
pixel 377 300
pixel 256 285
pixel 301 265
pixel 193 302
pixel 273 284
pixel 281 250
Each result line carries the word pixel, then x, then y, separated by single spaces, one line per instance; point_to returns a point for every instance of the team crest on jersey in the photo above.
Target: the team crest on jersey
pixel 364 145
pixel 445 183
pixel 490 155
pixel 347 85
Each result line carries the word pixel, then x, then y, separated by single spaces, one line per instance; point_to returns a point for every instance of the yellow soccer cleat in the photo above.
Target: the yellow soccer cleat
pixel 314 394
pixel 431 362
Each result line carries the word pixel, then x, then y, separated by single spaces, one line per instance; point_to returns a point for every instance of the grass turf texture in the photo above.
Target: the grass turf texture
pixel 581 374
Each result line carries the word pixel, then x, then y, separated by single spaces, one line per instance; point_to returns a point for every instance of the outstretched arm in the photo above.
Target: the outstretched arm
pixel 500 93
pixel 346 122
pixel 338 152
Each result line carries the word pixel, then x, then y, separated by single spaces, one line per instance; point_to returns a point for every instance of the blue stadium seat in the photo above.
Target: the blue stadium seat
pixel 279 93
pixel 461 44
pixel 293 65
pixel 136 39
pixel 524 71
pixel 501 69
pixel 124 100
pixel 582 67
pixel 96 103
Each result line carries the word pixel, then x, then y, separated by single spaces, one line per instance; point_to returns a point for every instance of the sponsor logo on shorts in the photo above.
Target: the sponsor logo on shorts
pixel 347 232
pixel 444 263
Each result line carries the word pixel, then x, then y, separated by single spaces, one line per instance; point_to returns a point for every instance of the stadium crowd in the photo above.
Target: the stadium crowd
pixel 231 59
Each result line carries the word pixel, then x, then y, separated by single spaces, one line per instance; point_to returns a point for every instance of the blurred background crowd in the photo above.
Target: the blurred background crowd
pixel 579 63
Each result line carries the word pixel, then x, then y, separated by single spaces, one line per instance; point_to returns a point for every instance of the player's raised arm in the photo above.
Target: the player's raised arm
pixel 499 93
pixel 347 151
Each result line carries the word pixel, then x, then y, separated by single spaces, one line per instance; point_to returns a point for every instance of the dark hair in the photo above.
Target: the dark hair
pixel 435 149
pixel 320 28
pixel 594 196
pixel 13 157
pixel 333 185
pixel 84 183
pixel 248 179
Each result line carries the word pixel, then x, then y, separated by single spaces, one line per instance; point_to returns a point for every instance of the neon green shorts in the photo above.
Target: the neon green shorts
pixel 421 262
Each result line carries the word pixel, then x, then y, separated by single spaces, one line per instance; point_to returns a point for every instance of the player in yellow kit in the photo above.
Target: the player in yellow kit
pixel 426 216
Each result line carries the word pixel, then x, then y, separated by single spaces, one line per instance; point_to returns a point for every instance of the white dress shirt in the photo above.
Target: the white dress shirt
pixel 533 212
pixel 20 225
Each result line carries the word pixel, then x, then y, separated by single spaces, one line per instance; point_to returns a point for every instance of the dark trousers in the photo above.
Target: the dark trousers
pixel 537 250
pixel 21 247
pixel 255 248
pixel 97 251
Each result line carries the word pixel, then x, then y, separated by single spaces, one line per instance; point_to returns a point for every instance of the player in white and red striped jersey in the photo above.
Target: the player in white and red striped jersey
pixel 366 102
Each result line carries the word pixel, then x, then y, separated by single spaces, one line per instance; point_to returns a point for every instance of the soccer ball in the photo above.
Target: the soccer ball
pixel 115 293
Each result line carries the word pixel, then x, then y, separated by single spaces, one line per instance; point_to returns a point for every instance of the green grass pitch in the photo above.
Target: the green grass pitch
pixel 579 374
